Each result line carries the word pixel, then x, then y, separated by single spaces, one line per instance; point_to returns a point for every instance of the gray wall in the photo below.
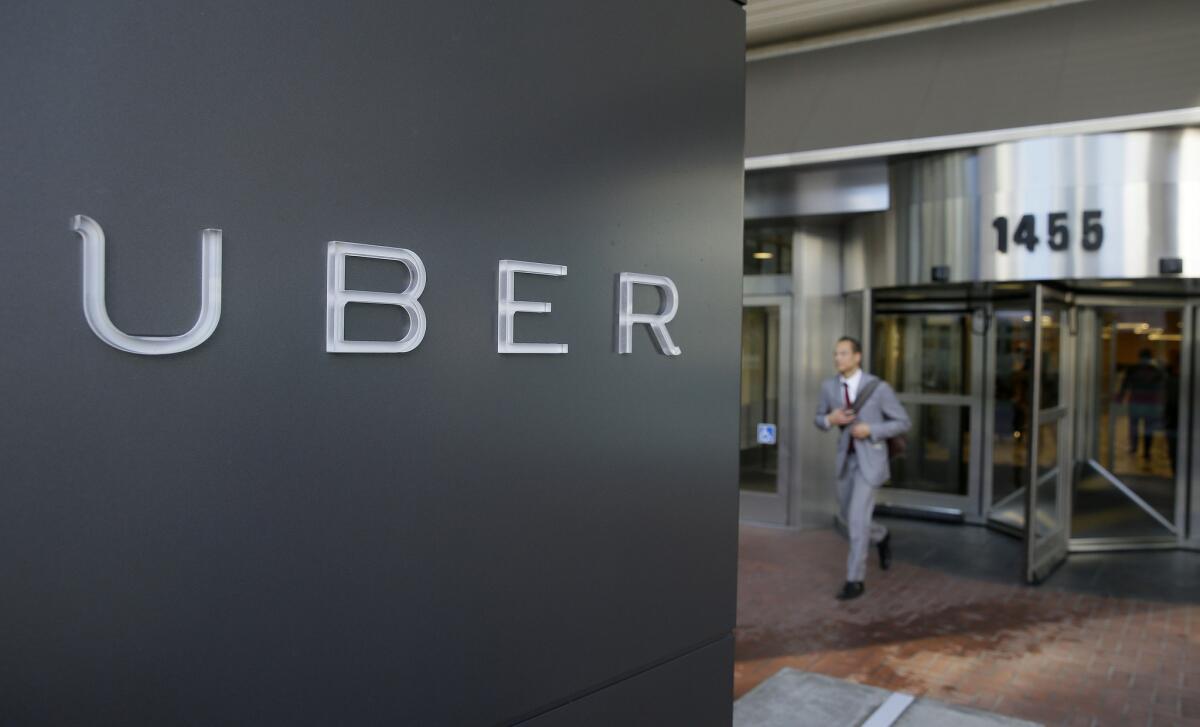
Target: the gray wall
pixel 258 532
pixel 818 321
pixel 1080 61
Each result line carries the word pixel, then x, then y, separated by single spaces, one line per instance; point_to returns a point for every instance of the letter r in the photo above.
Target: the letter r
pixel 626 318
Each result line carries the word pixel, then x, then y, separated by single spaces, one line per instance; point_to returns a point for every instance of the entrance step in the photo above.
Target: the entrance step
pixel 795 698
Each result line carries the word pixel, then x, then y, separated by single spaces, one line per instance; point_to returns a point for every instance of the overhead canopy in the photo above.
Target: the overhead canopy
pixel 1081 61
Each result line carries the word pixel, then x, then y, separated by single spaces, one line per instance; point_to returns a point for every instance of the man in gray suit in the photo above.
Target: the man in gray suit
pixel 862 454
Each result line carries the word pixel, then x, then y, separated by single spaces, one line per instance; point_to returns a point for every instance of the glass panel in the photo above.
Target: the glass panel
pixel 1047 506
pixel 760 397
pixel 1047 448
pixel 938 454
pixel 1100 510
pixel 767 251
pixel 1051 356
pixel 1136 434
pixel 922 352
pixel 1010 444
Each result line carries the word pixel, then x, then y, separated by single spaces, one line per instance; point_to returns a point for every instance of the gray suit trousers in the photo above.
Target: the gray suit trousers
pixel 856 497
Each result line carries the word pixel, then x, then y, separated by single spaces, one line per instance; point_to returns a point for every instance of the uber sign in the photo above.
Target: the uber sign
pixel 95 309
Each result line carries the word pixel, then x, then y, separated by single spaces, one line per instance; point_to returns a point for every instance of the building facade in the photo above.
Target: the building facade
pixel 1007 213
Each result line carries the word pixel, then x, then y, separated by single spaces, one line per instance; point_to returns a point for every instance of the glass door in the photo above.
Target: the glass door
pixel 1131 470
pixel 1048 473
pixel 931 359
pixel 764 421
pixel 1009 403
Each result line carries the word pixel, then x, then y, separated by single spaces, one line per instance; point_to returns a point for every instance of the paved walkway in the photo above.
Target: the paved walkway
pixel 794 698
pixel 1056 655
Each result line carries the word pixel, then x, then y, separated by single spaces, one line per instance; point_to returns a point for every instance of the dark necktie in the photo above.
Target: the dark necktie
pixel 846 396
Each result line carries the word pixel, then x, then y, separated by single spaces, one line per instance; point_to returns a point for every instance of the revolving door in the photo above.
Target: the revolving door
pixel 1054 416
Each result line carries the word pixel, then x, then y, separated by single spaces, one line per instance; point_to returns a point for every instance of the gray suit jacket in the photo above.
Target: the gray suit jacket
pixel 882 412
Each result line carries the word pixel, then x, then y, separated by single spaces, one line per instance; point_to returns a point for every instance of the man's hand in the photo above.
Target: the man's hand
pixel 841 417
pixel 861 430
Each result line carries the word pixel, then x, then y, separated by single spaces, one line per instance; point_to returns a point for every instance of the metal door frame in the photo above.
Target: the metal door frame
pixel 987 474
pixel 965 507
pixel 762 507
pixel 1186 463
pixel 1189 393
pixel 1043 553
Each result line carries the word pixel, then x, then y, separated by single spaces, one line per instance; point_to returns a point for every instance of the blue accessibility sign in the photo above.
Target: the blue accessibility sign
pixel 766 434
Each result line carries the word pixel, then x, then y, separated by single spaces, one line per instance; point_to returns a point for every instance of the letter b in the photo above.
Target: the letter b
pixel 338 296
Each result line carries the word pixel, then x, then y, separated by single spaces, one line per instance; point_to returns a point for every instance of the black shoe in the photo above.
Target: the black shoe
pixel 885 552
pixel 852 589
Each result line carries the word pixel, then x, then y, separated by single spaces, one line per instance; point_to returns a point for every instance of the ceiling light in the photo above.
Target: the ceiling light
pixel 763 255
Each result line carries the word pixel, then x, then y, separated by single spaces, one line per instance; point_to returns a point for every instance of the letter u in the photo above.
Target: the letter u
pixel 95 309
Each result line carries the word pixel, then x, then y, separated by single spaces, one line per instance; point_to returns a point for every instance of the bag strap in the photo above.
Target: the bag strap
pixel 865 393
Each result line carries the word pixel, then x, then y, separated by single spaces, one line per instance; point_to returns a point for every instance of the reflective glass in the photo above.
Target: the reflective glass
pixel 923 353
pixel 760 397
pixel 1100 510
pixel 1010 439
pixel 1047 506
pixel 1051 357
pixel 1135 437
pixel 1047 459
pixel 767 251
pixel 939 450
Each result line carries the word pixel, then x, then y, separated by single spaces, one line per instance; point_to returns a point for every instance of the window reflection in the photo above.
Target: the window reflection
pixel 923 353
pixel 1051 358
pixel 1010 444
pixel 1136 436
pixel 767 251
pixel 760 396
pixel 939 451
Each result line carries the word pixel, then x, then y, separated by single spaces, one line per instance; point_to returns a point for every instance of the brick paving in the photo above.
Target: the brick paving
pixel 1042 654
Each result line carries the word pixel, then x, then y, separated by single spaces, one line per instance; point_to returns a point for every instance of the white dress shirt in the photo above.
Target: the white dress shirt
pixel 848 383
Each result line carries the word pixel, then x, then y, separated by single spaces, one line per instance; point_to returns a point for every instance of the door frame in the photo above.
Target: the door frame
pixel 1188 464
pixel 939 505
pixel 995 305
pixel 1189 394
pixel 1045 552
pixel 764 507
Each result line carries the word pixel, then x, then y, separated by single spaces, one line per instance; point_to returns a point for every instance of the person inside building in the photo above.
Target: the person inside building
pixel 1144 388
pixel 866 413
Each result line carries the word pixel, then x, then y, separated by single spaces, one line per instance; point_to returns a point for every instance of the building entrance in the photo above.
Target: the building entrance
pixel 764 423
pixel 1131 486
pixel 1050 414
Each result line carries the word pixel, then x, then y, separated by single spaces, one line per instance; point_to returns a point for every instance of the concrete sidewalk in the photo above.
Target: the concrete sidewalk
pixel 794 698
pixel 1051 655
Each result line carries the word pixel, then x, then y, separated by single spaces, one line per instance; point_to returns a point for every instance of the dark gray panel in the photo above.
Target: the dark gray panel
pixel 257 532
pixel 1081 61
pixel 639 700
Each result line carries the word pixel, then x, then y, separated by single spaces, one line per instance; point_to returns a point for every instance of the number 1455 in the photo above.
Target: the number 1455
pixel 1058 233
